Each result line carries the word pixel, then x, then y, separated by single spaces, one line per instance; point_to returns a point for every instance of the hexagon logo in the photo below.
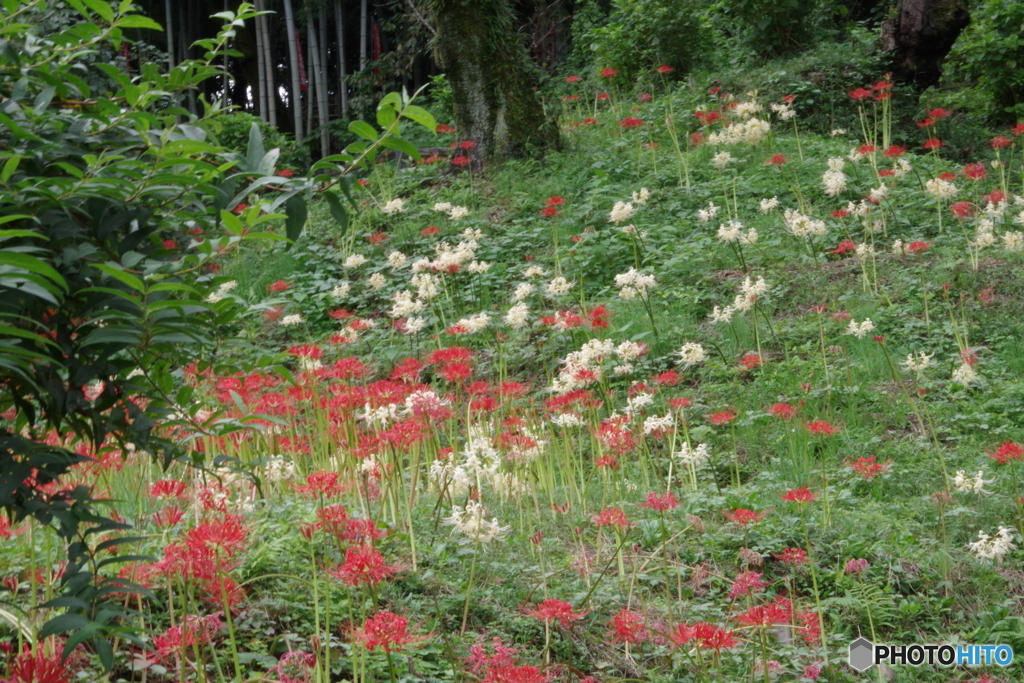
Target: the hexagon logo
pixel 862 654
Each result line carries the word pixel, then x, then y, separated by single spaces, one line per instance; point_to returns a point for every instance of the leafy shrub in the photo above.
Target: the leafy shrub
pixel 770 26
pixel 991 50
pixel 232 131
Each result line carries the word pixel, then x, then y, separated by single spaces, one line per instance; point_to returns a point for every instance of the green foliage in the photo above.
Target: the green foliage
pixel 643 34
pixel 769 27
pixel 232 132
pixel 991 50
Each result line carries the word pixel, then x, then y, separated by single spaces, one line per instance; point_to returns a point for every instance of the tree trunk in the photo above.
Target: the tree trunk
pixel 310 81
pixel 261 81
pixel 321 90
pixel 486 66
pixel 170 34
pixel 340 28
pixel 364 23
pixel 268 65
pixel 921 35
pixel 295 96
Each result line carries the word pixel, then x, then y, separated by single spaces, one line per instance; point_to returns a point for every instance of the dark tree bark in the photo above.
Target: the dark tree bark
pixel 921 35
pixel 486 65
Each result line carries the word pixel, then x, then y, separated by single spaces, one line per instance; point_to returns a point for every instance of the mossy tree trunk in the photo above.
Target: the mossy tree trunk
pixel 921 35
pixel 486 66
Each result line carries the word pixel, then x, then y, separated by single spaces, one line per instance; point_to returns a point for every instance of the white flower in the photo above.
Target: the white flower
pixel 630 350
pixel 834 183
pixel 1013 240
pixel 693 456
pixel 621 212
pixel 721 160
pixel 938 187
pixel 993 547
pixel 354 261
pixel 836 132
pixel 396 259
pixel 478 267
pixel 800 225
pixel 898 249
pixel 707 215
pixel 690 354
pixel 567 420
pixel 426 285
pixel 293 319
pixel 722 315
pixel 534 271
pixel 750 237
pixel 442 207
pixel 474 323
pixel 655 424
pixel 767 205
pixel 754 289
pixel 523 290
pixel 864 250
pixel 377 281
pixel 414 325
pixel 965 374
pixel 877 194
pixel 472 521
pixel 404 305
pixel 858 330
pixel 642 196
pixel 901 168
pixel 745 110
pixel 558 287
pixel 458 212
pixel 633 284
pixel 917 363
pixel 976 484
pixel 518 315
pixel 396 205
pixel 836 163
pixel 730 232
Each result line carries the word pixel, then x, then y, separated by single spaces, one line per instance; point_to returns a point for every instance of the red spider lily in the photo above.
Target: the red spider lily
pixel 555 200
pixel 713 637
pixel 429 230
pixel 743 517
pixel 788 99
pixel 286 173
pixel 668 378
pixel 844 247
pixel 311 351
pixel 227 534
pixel 363 565
pixel 746 583
pixel 962 209
pixel 886 172
pixel 664 69
pixel 722 417
pixel 783 411
pixel 792 557
pixel 764 615
pixel 590 120
pixel 278 286
pixel 322 484
pixel 377 238
pixel 840 213
pixel 918 247
pixel 556 610
pixel 197 631
pixel 609 72
pixel 466 145
pixel 340 314
pixel 450 354
pixel 627 627
pixel 615 437
pixel 777 160
pixel 407 371
pixel 866 149
pixel 975 171
pixel 455 372
pixel 939 113
pixel 868 468
pixel 646 97
pixel 478 660
pixel 969 357
pixel 1008 452
pixel 925 123
pixel 1000 141
pixel 444 128
pixel 507 673
pixel 821 427
pixel 697 139
pixel 800 495
pixel 856 566
pixel 894 151
pixel 386 630
pixel 859 95
pixel 164 519
pixel 660 502
pixel 170 244
pixel 295 667
pixel 563 320
pixel 36 666
pixel 599 317
pixel 570 98
pixel 239 208
pixel 995 196
pixel 572 79
pixel 810 626
pixel 750 361
pixel 933 143
pixel 460 161
pixel 613 517
pixel 168 488
pixel 631 122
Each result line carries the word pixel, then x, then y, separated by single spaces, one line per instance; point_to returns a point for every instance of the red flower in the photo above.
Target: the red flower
pixel 645 97
pixel 549 211
pixel 322 483
pixel 939 113
pixel 777 160
pixel 599 317
pixel 715 638
pixel 746 583
pixel 443 128
pixel 894 152
pixel 840 213
pixel 800 495
pixel 975 171
pixel 386 630
pixel 602 96
pixel 167 488
pixel 609 73
pixel 461 161
pixel 572 79
pixel 793 557
pixel 286 173
pixel 925 123
pixel 764 615
pixel 556 610
pixel 844 247
pixel 660 502
pixel 821 427
pixel 1000 141
pixel 962 209
pixel 743 517
pixel 995 196
pixel 859 94
pixel 590 120
pixel 611 517
pixel 429 230
pixel 866 149
pixel 932 143
pixel 750 360
pixel 278 286
pixel 363 565
pixel 239 208
pixel 1007 452
pixel 627 627
pixel 664 69
pixel 467 145
pixel 35 666
pixel 631 122
pixel 788 99
pixel 783 411
pixel 722 417
pixel 868 468
pixel 377 238
pixel 918 247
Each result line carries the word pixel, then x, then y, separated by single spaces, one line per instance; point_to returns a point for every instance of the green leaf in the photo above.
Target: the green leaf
pixel 9 168
pixel 121 276
pixel 363 130
pixel 138 21
pixel 32 265
pixel 338 212
pixel 295 207
pixel 420 116
pixel 43 99
pixel 397 143
pixel 18 131
pixel 63 623
pixel 255 153
pixel 101 8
